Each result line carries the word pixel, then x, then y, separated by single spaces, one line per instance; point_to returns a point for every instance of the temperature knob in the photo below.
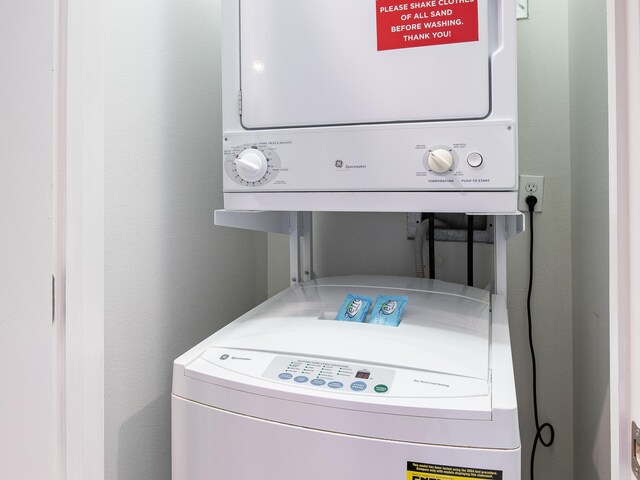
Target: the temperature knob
pixel 251 165
pixel 440 160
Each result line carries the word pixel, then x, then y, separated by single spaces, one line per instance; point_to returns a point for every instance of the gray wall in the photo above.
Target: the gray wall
pixel 171 278
pixel 543 82
pixel 375 243
pixel 589 218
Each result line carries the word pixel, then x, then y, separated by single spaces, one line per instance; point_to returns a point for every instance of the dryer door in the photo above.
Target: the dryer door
pixel 331 62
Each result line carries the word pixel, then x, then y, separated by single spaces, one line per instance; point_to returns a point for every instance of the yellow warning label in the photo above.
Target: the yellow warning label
pixel 426 471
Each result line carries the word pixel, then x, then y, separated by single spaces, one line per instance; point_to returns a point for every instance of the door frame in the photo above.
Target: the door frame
pixel 623 25
pixel 80 296
pixel 81 237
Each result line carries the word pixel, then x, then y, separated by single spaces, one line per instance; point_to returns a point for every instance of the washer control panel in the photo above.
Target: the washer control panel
pixel 312 375
pixel 332 376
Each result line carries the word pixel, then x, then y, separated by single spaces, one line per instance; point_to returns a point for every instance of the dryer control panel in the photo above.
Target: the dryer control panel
pixel 402 158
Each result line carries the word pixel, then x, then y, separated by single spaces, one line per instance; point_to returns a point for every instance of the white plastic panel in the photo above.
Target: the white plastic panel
pixel 419 406
pixel 305 63
pixel 440 332
pixel 399 390
pixel 485 203
pixel 208 443
pixel 378 158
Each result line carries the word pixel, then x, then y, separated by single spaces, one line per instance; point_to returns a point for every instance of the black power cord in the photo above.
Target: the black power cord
pixel 432 245
pixel 531 202
pixel 470 220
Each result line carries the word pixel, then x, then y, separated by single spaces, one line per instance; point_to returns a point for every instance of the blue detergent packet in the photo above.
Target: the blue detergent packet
pixel 354 308
pixel 388 310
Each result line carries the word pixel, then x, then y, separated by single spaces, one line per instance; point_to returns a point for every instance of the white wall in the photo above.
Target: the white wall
pixel 590 249
pixel 171 278
pixel 28 369
pixel 349 243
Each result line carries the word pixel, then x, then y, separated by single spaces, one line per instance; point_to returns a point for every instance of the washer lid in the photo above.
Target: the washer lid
pixel 309 63
pixel 444 328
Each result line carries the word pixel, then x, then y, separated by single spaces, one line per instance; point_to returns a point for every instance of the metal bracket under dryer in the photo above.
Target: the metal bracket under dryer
pixel 505 227
pixel 299 227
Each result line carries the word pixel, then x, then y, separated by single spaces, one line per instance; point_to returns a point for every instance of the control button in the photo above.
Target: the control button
pixel 301 379
pixel 358 386
pixel 335 385
pixel 285 376
pixel 381 388
pixel 317 381
pixel 474 159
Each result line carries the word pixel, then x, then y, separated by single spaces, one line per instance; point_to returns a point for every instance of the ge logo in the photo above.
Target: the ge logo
pixel 224 357
pixel 339 163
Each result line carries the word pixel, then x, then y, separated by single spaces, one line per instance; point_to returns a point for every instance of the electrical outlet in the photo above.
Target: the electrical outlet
pixel 530 185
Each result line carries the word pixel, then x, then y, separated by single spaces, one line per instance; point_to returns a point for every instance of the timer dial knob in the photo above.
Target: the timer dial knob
pixel 440 160
pixel 251 165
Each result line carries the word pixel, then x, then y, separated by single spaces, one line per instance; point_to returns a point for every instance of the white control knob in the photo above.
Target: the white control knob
pixel 440 160
pixel 251 165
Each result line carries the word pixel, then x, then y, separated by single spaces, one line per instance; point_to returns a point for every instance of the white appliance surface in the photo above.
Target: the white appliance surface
pixel 309 63
pixel 312 106
pixel 384 158
pixel 440 382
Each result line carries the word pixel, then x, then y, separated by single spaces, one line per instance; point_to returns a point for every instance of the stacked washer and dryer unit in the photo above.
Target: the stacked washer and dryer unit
pixel 360 106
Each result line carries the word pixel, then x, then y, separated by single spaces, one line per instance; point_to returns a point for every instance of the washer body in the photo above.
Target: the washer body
pixel 287 392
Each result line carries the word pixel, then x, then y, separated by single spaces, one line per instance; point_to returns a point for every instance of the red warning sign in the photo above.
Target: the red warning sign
pixel 431 22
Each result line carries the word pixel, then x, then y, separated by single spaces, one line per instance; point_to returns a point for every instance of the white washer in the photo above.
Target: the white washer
pixel 285 392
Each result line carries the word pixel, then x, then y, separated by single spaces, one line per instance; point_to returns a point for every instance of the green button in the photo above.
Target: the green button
pixel 381 388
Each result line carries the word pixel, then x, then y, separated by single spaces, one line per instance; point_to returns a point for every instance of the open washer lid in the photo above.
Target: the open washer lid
pixel 331 62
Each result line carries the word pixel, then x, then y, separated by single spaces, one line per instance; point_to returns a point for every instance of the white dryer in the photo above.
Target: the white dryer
pixel 379 105
pixel 286 392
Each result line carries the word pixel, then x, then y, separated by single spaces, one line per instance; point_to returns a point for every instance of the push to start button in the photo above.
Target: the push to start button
pixel 474 159
pixel 381 388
